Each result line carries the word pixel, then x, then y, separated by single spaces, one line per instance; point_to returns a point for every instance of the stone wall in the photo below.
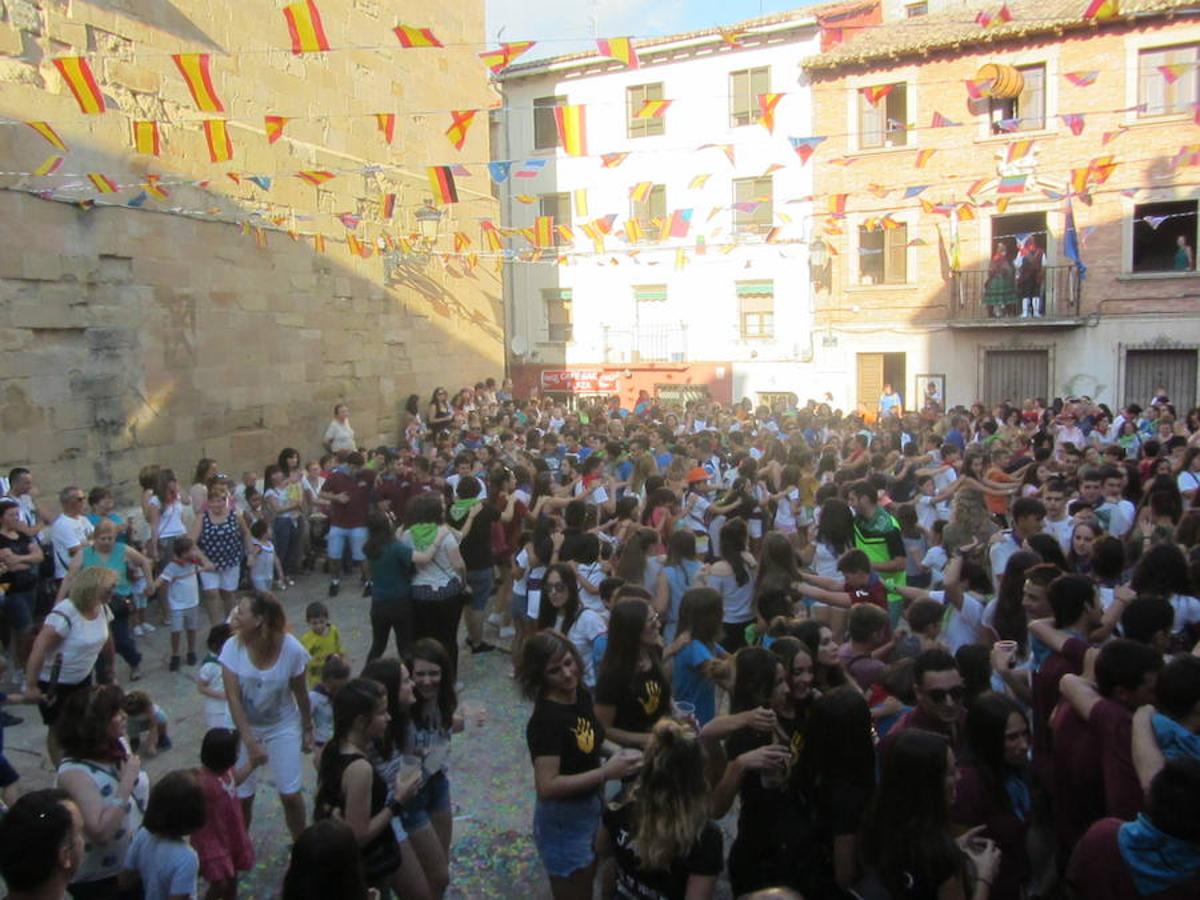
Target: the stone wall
pixel 165 333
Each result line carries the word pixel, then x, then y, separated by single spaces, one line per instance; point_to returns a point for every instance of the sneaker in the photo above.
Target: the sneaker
pixel 366 588
pixel 495 620
pixel 334 587
pixel 137 631
pixel 148 629
pixel 508 632
pixel 174 666
pixel 481 647
pixel 135 674
pixel 191 659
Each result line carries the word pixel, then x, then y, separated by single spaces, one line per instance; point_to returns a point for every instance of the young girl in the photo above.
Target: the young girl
pixel 679 572
pixel 700 629
pixel 209 681
pixel 563 611
pixel 222 843
pixel 915 546
pixel 632 691
pixel 159 854
pixel 787 501
pixel 590 571
pixel 264 564
pixel 529 568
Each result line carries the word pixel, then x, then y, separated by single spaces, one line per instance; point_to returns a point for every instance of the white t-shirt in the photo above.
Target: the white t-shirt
pixel 170 520
pixel 1117 516
pixel 1061 530
pixel 339 436
pixel 267 693
pixel 216 712
pixel 927 512
pixel 83 639
pixel 593 572
pixel 1188 481
pixel 1187 612
pixel 785 518
pixel 67 533
pixel 168 868
pixel 587 627
pixel 961 626
pixel 183 587
pixel 262 564
pixel 935 560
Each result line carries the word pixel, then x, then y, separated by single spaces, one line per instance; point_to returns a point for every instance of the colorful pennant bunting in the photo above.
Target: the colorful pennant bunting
pixel 652 109
pixel 1101 10
pixel 876 93
pixel 441 182
pixel 386 124
pixel 1018 150
pixel 978 88
pixel 274 127
pixel 387 206
pixel 986 18
pixel 220 147
pixel 837 205
pixel 766 107
pixel 1172 72
pixel 641 191
pixel 460 124
pixel 49 166
pixel 805 147
pixel 78 76
pixel 51 136
pixel 620 49
pixel 305 28
pixel 914 191
pixel 499 171
pixel 145 137
pixel 262 181
pixel 681 223
pixel 102 183
pixel 940 121
pixel 499 60
pixel 411 37
pixel 543 231
pixel 194 67
pixel 698 181
pixel 572 128
pixel 315 177
pixel 1082 79
pixel 923 157
pixel 581 203
pixel 1074 121
pixel 612 160
pixel 153 188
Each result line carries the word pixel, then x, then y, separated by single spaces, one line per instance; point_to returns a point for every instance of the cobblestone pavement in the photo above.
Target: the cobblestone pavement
pixel 491 778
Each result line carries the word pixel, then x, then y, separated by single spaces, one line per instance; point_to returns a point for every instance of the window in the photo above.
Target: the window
pixel 636 97
pixel 1167 80
pixel 1160 231
pixel 883 255
pixel 558 314
pixel 885 122
pixel 1025 112
pixel 916 10
pixel 650 293
pixel 545 130
pixel 753 205
pixel 756 309
pixel 559 206
pixel 744 87
pixel 651 212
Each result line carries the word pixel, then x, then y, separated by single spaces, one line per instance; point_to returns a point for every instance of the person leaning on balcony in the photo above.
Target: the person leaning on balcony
pixel 1185 259
pixel 1000 289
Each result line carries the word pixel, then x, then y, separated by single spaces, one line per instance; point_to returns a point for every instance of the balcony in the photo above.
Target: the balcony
pixel 645 344
pixel 1060 300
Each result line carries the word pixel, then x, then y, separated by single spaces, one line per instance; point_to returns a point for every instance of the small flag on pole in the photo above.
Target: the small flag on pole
pixel 51 136
pixel 305 28
pixel 441 182
pixel 145 138
pixel 194 67
pixel 411 37
pixel 78 76
pixel 220 147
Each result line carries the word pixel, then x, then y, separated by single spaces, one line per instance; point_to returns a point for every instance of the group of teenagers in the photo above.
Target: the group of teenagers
pixel 934 655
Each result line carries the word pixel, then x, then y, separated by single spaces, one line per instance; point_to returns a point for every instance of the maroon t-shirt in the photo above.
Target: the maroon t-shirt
pixel 978 803
pixel 1078 783
pixel 1044 699
pixel 1097 870
pixel 394 491
pixel 1112 726
pixel 354 513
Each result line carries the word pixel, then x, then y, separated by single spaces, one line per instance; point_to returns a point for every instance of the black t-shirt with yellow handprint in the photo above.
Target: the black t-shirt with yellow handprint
pixel 638 704
pixel 570 732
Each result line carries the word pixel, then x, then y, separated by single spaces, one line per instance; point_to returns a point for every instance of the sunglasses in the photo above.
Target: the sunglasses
pixel 940 695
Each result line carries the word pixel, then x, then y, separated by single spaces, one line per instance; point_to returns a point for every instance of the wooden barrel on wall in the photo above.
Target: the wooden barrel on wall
pixel 1006 81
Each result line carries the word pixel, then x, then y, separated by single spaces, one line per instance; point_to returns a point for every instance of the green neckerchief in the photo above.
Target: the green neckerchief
pixel 880 522
pixel 460 508
pixel 423 534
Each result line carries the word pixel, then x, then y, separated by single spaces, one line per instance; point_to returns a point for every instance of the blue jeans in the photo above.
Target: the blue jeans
pixel 564 832
pixel 287 543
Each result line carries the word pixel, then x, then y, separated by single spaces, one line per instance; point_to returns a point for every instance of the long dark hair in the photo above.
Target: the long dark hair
pixel 823 676
pixel 625 626
pixel 379 534
pixel 284 455
pixel 431 651
pixel 325 862
pixel 547 614
pixel 837 526
pixel 734 535
pixel 356 699
pixel 985 730
pixel 387 671
pixel 754 678
pixel 776 564
pixel 1010 621
pixel 839 747
pixel 906 831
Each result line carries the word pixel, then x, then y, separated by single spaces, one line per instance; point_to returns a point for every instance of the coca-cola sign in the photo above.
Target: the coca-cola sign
pixel 579 381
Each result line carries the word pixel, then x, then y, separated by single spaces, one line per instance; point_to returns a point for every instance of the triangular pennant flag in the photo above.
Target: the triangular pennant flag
pixel 1101 10
pixel 305 28
pixel 680 258
pixel 315 176
pixel 102 183
pixel 1002 204
pixel 234 177
pixel 461 241
pixel 1172 72
pixel 260 238
pixel 766 106
pixel 572 128
pixel 837 205
pixel 411 37
pixel 499 171
pixel 1074 121
pixel 543 231
pixel 499 60
pixel 914 191
pixel 1110 136
pixel 731 36
pixel 612 160
pixel 698 181
pixel 319 243
pixel 620 49
pixel 581 203
pixel 194 67
pixel 386 123
pixel 274 126
pixel 50 166
pixel 652 109
pixel 978 88
pixel 145 138
pixel 641 191
pixel 879 190
pixel 940 121
pixel 876 93
pixel 82 83
pixel 350 220
pixel 460 123
pixel 1018 150
pixel 1082 79
pixel 154 189
pixel 220 147
pixel 458 170
pixel 262 181
pixel 805 147
pixel 727 149
pixel 923 157
pixel 441 182
pixel 51 136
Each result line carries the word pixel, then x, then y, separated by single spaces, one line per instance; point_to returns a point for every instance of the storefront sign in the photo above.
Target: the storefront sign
pixel 579 381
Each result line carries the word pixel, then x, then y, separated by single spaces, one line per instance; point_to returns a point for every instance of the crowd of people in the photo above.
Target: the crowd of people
pixel 924 654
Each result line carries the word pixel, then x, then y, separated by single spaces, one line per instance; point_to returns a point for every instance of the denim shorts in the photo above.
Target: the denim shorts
pixel 18 610
pixel 434 796
pixel 338 538
pixel 564 832
pixel 480 582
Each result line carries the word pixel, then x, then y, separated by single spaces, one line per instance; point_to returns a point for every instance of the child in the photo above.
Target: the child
pixel 859 584
pixel 101 503
pixel 159 854
pixel 589 572
pixel 264 565
pixel 916 544
pixel 334 675
pixel 935 558
pixel 322 640
pixel 223 844
pixel 147 725
pixel 700 616
pixel 769 606
pixel 183 595
pixel 210 681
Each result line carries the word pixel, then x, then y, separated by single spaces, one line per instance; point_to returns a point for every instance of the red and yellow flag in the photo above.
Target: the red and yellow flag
pixel 51 136
pixel 641 191
pixel 923 157
pixel 154 189
pixel 194 67
pixel 766 105
pixel 652 109
pixel 499 60
pixel 354 245
pixel 145 138
pixel 1102 10
pixel 319 243
pixel 612 160
pixel 386 123
pixel 461 241
pixel 581 203
pixel 491 237
pixel 78 76
pixel 315 176
pixel 305 28
pixel 441 182
pixel 1018 150
pixel 274 125
pixel 543 231
pixel 220 147
pixel 260 238
pixel 876 93
pixel 411 37
pixel 50 166
pixel 387 206
pixel 460 124
pixel 572 128
pixel 837 204
pixel 102 183
pixel 621 49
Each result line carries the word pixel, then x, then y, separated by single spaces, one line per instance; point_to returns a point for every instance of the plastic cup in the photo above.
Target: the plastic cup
pixel 681 709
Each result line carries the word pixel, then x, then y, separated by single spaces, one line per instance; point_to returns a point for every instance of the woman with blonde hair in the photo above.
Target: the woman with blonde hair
pixel 663 838
pixel 969 520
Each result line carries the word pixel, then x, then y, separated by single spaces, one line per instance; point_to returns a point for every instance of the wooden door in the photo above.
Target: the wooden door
pixel 870 383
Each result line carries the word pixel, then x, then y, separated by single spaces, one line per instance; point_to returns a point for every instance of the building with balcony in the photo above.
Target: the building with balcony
pixel 682 268
pixel 953 154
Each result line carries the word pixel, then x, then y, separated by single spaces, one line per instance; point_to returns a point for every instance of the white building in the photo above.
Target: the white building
pixel 723 310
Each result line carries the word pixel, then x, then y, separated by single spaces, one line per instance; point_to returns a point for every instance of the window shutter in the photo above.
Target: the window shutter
pixel 895 264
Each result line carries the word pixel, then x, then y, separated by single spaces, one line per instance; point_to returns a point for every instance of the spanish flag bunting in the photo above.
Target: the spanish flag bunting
pixel 680 258
pixel 1018 150
pixel 581 203
pixel 1102 167
pixel 411 37
pixel 923 157
pixel 837 204
pixel 1101 10
pixel 612 160
pixel 386 123
pixel 460 123
pixel 154 189
pixel 78 76
pixel 102 183
pixel 1082 79
pixel 620 49
pixel 274 126
pixel 565 234
pixel 461 241
pixel 633 231
pixel 354 245
pixel 698 181
pixel 50 166
pixel 145 138
pixel 652 109
pixel 766 106
pixel 260 238
pixel 319 243
pixel 499 60
pixel 940 121
pixel 1002 204
pixel 491 237
pixel 220 147
pixel 234 177
pixel 877 92
pixel 387 206
pixel 441 182
pixel 966 212
pixel 525 198
pixel 572 128
pixel 194 67
pixel 51 136
pixel 543 231
pixel 315 176
pixel 1080 178
pixel 976 186
pixel 641 191
pixel 305 28
pixel 731 37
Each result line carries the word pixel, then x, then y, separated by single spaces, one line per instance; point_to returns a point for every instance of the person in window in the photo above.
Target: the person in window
pixel 1185 259
pixel 1030 277
pixel 1000 289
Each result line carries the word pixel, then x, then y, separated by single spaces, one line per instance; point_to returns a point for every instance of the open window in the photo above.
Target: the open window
pixel 884 122
pixel 1164 236
pixel 635 98
pixel 650 212
pixel 545 129
pixel 1167 80
pixel 1026 111
pixel 883 255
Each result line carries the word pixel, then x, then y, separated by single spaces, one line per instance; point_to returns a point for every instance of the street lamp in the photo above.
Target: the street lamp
pixel 819 264
pixel 428 218
pixel 400 265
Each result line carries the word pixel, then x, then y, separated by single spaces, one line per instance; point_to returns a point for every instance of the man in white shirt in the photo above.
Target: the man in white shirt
pixel 1057 522
pixel 20 489
pixel 71 531
pixel 1116 513
pixel 1067 432
pixel 1028 514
